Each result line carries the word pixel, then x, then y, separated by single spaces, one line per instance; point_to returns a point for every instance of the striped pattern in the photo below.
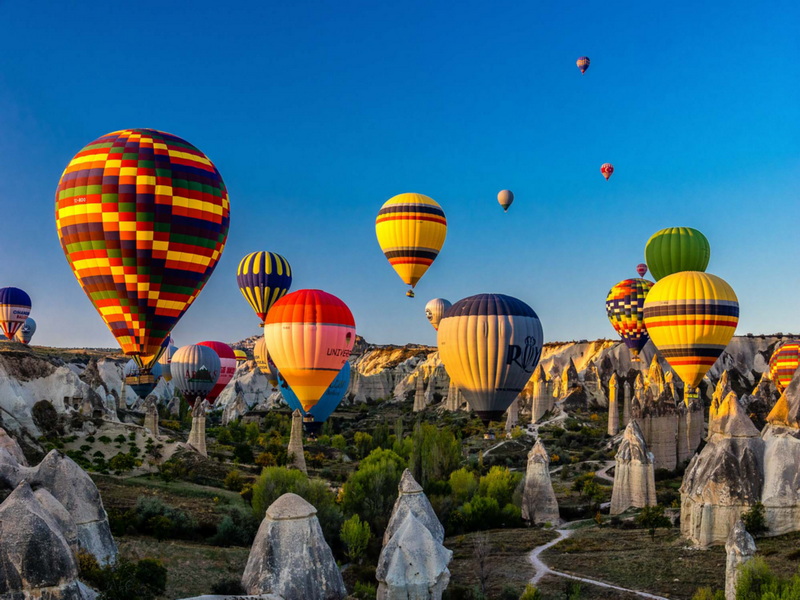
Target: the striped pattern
pixel 15 306
pixel 25 333
pixel 309 334
pixel 691 317
pixel 142 217
pixel 227 368
pixel 195 370
pixel 784 363
pixel 263 278
pixel 435 309
pixel 330 399
pixel 625 310
pixel 583 63
pixel 411 229
pixel 264 362
pixel 676 249
pixel 240 355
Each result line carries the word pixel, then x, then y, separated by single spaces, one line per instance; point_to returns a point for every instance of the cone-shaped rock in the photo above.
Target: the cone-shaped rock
pixel 512 415
pixel 539 504
pixel 60 515
pixel 197 435
pixel 655 377
pixel 740 547
pixel 297 456
pixel 721 391
pixel 634 476
pixel 9 445
pixel 613 406
pixel 542 398
pixel 412 499
pixel 419 394
pixel 413 564
pixel 290 557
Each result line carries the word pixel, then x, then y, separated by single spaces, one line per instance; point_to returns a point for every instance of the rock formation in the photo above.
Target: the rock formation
pixel 10 446
pixel 626 404
pixel 454 401
pixel 412 499
pixel 721 391
pixel 569 379
pixel 613 408
pixel 297 456
pixel 634 476
pixel 419 395
pixel 512 415
pixel 655 377
pixel 542 399
pixel 658 419
pixel 539 504
pixel 290 557
pixel 740 548
pixel 595 397
pixel 151 416
pixel 725 479
pixel 197 435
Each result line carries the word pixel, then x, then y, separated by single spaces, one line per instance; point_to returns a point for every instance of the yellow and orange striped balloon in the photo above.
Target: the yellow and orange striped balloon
pixel 784 363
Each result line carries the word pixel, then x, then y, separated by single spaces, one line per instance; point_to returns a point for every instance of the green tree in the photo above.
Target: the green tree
pixel 251 433
pixel 371 490
pixel 755 520
pixel 435 453
pixel 499 483
pixel 531 593
pixel 234 481
pixel 339 442
pixel 355 535
pixel 706 593
pixel 363 442
pixel 652 518
pixel 463 484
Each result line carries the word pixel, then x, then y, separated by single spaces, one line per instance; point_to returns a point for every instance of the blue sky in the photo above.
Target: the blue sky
pixel 316 113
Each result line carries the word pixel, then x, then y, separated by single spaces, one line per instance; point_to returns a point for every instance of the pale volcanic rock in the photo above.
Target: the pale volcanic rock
pixel 411 499
pixel 658 420
pixel 539 504
pixel 626 403
pixel 297 456
pixel 634 476
pixel 740 547
pixel 60 515
pixel 419 394
pixel 413 564
pixel 721 391
pixel 290 557
pixel 512 415
pixel 655 378
pixel 542 399
pixel 197 434
pixel 725 479
pixel 9 445
pixel 613 408
pixel 593 387
pixel 569 379
pixel 151 416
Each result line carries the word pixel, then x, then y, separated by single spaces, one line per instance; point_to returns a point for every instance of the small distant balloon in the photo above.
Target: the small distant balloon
pixel 641 269
pixel 583 63
pixel 15 306
pixel 435 309
pixel 25 333
pixel 607 169
pixel 505 198
pixel 195 370
pixel 240 356
pixel 227 368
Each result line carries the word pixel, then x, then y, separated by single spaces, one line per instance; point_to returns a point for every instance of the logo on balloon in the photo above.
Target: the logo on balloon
pixel 429 314
pixel 525 358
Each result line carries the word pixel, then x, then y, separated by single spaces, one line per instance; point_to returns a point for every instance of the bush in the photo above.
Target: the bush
pixel 372 489
pixel 531 593
pixel 755 520
pixel 364 591
pixel 339 442
pixel 228 587
pixel 153 517
pixel 435 453
pixel 355 535
pixel 463 485
pixel 124 580
pixel 499 483
pixel 652 518
pixel 234 481
pixel 46 418
pixel 706 593
pixel 122 462
pixel 363 442
pixel 237 528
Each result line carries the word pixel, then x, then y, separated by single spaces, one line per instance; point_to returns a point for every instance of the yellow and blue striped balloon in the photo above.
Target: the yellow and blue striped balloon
pixel 263 278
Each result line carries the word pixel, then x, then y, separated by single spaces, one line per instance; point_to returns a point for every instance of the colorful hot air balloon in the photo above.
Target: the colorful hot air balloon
pixel 607 169
pixel 490 345
pixel 505 198
pixel 140 381
pixel 435 309
pixel 625 310
pixel 310 335
pixel 676 249
pixel 641 269
pixel 784 363
pixel 240 355
pixel 142 217
pixel 313 420
pixel 227 368
pixel 263 278
pixel 25 333
pixel 691 316
pixel 583 63
pixel 264 362
pixel 166 359
pixel 195 370
pixel 15 306
pixel 411 229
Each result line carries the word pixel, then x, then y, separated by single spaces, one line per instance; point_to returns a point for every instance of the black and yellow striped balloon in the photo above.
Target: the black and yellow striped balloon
pixel 263 278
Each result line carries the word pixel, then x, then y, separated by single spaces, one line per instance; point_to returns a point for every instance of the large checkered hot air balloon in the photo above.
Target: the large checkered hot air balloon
pixel 691 316
pixel 263 278
pixel 143 217
pixel 411 229
pixel 15 306
pixel 784 363
pixel 309 334
pixel 625 310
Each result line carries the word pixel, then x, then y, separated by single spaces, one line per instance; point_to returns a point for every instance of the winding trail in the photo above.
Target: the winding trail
pixel 542 569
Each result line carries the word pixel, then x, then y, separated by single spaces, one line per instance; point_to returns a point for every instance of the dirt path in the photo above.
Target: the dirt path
pixel 542 569
pixel 603 473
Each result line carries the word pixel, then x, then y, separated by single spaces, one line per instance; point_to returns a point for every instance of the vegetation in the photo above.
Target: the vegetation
pixel 355 536
pixel 124 580
pixel 755 520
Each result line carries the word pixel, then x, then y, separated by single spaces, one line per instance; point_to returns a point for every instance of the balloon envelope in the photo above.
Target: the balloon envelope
pixel 676 249
pixel 691 317
pixel 784 363
pixel 641 269
pixel 583 63
pixel 240 355
pixel 329 401
pixel 435 309
pixel 505 198
pixel 25 333
pixel 490 345
pixel 195 370
pixel 411 229
pixel 141 381
pixel 264 362
pixel 607 169
pixel 309 334
pixel 625 310
pixel 142 217
pixel 227 368
pixel 263 278
pixel 15 306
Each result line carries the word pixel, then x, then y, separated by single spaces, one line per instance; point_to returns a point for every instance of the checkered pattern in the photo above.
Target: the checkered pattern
pixel 143 218
pixel 784 363
pixel 625 309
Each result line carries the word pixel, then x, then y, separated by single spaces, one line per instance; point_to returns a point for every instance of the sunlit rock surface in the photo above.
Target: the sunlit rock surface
pixel 634 475
pixel 539 504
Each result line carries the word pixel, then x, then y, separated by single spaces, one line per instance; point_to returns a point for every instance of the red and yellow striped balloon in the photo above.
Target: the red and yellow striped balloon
pixel 784 363
pixel 310 334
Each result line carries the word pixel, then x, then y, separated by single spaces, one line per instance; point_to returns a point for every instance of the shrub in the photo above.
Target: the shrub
pixel 234 481
pixel 364 591
pixel 435 453
pixel 124 580
pixel 175 522
pixel 355 535
pixel 363 443
pixel 46 418
pixel 372 489
pixel 225 587
pixel 531 593
pixel 463 484
pixel 499 483
pixel 755 520
pixel 651 518
pixel 104 439
pixel 706 593
pixel 237 528
pixel 122 462
pixel 339 442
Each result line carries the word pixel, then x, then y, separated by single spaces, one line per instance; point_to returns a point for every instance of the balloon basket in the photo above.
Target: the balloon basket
pixel 410 293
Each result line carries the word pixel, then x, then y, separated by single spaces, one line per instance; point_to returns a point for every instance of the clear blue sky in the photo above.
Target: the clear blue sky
pixel 316 113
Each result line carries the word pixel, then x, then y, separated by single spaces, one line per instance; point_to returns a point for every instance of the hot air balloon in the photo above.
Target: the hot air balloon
pixel 607 169
pixel 676 249
pixel 195 370
pixel 784 363
pixel 583 63
pixel 625 310
pixel 411 229
pixel 240 355
pixel 641 269
pixel 166 359
pixel 490 345
pixel 309 334
pixel 264 362
pixel 313 420
pixel 25 333
pixel 435 309
pixel 227 368
pixel 15 306
pixel 263 278
pixel 142 216
pixel 505 198
pixel 140 381
pixel 691 316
